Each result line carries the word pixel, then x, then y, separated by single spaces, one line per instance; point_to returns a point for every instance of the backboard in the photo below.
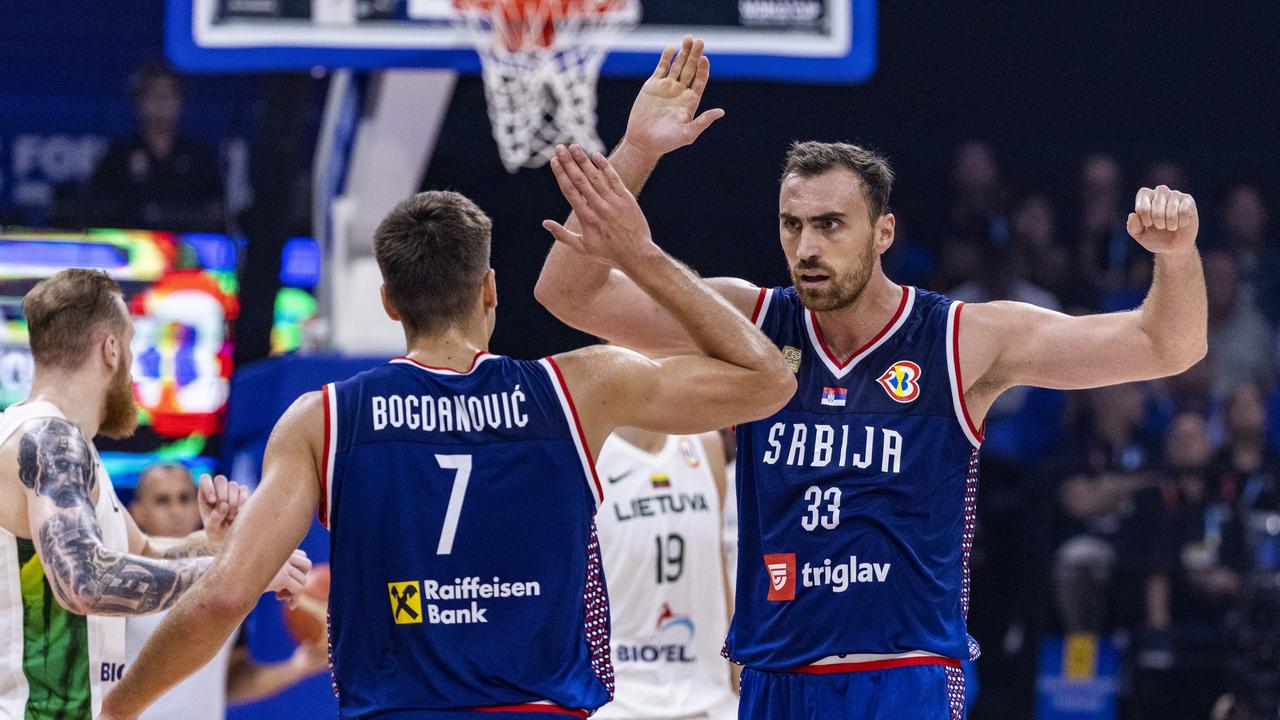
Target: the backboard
pixel 810 41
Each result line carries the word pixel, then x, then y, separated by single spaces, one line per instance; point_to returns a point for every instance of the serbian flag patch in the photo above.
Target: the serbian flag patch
pixel 835 397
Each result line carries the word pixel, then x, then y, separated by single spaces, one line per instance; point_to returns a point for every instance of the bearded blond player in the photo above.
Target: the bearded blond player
pixel 72 561
pixel 856 500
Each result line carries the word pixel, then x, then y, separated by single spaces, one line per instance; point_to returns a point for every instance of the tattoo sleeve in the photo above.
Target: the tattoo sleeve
pixel 57 465
pixel 194 545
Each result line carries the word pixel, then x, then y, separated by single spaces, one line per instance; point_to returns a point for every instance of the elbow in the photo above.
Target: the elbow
pixel 1181 359
pixel 228 601
pixel 551 297
pixel 776 388
pixel 77 603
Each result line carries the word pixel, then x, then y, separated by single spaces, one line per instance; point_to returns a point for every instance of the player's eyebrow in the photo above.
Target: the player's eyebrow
pixel 833 215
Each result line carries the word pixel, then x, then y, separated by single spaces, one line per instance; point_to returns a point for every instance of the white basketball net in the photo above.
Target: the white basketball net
pixel 541 60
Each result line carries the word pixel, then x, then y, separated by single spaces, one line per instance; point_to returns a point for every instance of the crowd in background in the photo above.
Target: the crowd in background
pixel 1147 514
pixel 1142 513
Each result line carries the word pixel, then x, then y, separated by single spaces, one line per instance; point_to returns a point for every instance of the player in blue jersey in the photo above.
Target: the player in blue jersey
pixel 458 486
pixel 856 500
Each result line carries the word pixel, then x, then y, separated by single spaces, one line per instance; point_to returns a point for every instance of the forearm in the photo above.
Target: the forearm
pixel 185 641
pixel 197 544
pixel 248 680
pixel 717 328
pixel 1174 317
pixel 90 579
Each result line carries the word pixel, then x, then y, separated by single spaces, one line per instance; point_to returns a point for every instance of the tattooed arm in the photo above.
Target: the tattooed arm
pixel 197 544
pixel 56 467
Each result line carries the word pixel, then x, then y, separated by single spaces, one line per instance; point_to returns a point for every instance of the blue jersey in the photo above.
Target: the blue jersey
pixel 856 500
pixel 465 568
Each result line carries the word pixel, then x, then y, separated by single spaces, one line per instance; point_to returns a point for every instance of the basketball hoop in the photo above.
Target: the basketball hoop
pixel 541 60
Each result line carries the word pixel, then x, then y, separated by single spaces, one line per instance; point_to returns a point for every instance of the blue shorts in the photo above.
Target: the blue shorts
pixel 915 692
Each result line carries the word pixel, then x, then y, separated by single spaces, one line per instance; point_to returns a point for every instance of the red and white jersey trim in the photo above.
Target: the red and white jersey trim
pixel 971 430
pixel 824 353
pixel 863 662
pixel 575 428
pixel 480 357
pixel 762 307
pixel 541 706
pixel 330 394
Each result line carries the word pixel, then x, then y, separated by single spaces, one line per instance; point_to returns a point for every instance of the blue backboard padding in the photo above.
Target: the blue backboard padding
pixel 185 54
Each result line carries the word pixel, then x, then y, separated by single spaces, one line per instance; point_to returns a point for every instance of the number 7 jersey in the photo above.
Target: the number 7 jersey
pixel 856 500
pixel 466 571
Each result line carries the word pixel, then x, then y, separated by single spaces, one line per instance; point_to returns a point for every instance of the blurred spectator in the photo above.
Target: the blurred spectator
pixel 1245 467
pixel 977 206
pixel 1167 173
pixel 1103 469
pixel 1033 238
pixel 1002 276
pixel 164 505
pixel 1102 245
pixel 1240 340
pixel 1244 228
pixel 1187 532
pixel 157 178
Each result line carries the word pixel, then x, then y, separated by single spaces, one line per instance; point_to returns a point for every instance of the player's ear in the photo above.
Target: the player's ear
pixel 884 232
pixel 489 290
pixel 112 351
pixel 386 303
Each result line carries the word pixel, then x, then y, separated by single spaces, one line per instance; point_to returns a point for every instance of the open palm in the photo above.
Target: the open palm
pixel 664 115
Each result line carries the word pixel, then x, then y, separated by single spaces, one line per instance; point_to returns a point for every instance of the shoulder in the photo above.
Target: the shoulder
pixel 305 417
pixel 54 433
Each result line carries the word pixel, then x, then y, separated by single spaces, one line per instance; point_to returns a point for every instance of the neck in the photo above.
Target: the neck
pixel 647 440
pixel 848 329
pixel 454 348
pixel 78 397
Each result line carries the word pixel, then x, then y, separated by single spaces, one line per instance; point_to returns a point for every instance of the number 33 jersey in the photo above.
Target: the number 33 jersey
pixel 660 537
pixel 466 572
pixel 856 500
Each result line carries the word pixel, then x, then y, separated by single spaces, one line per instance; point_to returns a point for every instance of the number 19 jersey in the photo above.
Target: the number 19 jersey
pixel 856 500
pixel 466 571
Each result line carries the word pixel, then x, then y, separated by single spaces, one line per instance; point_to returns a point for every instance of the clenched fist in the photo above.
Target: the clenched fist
pixel 1164 220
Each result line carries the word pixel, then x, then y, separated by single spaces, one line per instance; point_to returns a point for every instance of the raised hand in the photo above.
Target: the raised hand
pixel 663 117
pixel 220 502
pixel 1164 220
pixel 614 230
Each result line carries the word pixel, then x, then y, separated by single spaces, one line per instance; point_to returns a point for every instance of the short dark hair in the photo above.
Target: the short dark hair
pixel 64 311
pixel 140 81
pixel 433 251
pixel 144 480
pixel 808 159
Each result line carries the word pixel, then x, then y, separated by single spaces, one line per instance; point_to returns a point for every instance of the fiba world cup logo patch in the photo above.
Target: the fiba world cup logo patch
pixel 902 381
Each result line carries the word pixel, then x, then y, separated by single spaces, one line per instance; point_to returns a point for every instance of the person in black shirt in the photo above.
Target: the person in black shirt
pixel 157 178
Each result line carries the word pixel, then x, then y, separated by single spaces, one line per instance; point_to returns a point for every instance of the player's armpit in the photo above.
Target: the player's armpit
pixel 684 395
pixel 619 311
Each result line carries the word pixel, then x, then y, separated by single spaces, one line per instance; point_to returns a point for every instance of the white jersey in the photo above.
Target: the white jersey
pixel 660 534
pixel 731 524
pixel 202 696
pixel 54 663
